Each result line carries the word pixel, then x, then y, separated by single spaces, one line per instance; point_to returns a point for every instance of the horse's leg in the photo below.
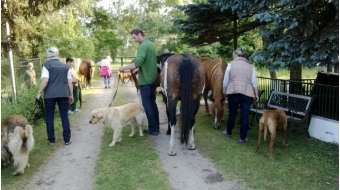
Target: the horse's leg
pixel 172 122
pixel 168 132
pixel 191 143
pixel 205 97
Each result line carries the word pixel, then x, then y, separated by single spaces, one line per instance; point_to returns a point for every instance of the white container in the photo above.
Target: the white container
pixel 324 129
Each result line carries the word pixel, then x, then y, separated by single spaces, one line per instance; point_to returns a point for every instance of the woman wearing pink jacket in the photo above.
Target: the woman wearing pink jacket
pixel 105 71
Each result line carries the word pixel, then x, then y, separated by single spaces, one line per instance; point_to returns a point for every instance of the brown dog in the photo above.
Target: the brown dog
pixel 17 141
pixel 122 76
pixel 273 120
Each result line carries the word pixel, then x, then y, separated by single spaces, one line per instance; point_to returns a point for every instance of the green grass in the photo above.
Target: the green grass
pixel 305 164
pixel 307 73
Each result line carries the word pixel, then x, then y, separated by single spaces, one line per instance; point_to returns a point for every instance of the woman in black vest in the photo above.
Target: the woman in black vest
pixel 56 83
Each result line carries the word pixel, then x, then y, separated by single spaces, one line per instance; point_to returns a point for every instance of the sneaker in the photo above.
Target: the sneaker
pixel 76 110
pixel 69 112
pixel 105 86
pixel 242 141
pixel 50 143
pixel 67 143
pixel 225 133
pixel 109 86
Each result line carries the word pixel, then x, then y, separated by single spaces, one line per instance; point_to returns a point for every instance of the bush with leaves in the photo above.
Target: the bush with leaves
pixel 25 105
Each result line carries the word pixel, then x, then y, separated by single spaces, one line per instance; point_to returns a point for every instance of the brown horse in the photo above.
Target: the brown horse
pixel 182 79
pixel 214 72
pixel 86 70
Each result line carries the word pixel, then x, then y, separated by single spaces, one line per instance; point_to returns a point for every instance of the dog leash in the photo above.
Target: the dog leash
pixel 38 103
pixel 114 96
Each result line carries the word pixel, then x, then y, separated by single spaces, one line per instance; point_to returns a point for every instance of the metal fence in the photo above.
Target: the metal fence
pixel 325 104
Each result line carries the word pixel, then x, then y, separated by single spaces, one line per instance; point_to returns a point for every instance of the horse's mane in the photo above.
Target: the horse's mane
pixel 161 60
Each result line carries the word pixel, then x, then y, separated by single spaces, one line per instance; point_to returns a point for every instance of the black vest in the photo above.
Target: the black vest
pixel 57 86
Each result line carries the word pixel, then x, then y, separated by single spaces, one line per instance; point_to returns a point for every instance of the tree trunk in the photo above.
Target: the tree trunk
pixel 329 67
pixel 295 85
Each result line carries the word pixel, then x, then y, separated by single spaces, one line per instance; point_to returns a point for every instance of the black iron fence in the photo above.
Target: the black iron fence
pixel 325 104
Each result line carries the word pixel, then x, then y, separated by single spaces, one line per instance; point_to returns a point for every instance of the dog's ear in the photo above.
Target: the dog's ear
pixel 99 115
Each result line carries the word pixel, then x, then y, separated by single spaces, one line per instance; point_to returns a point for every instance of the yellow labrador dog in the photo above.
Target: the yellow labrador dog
pixel 120 116
pixel 272 120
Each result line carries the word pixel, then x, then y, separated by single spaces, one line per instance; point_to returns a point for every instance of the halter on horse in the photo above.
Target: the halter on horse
pixel 86 70
pixel 214 72
pixel 182 79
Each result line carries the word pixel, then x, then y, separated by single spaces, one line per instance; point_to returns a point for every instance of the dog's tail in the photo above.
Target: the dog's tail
pixel 20 144
pixel 265 128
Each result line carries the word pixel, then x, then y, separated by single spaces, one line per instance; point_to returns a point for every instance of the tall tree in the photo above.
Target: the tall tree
pixel 11 11
pixel 293 32
pixel 103 29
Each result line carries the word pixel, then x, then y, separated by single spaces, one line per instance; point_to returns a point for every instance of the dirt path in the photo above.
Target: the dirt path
pixel 72 168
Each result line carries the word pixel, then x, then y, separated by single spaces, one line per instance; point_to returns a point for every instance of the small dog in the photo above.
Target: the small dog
pixel 273 120
pixel 122 76
pixel 120 116
pixel 16 141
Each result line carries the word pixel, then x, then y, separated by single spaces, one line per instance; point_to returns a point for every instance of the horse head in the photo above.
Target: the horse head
pixel 161 60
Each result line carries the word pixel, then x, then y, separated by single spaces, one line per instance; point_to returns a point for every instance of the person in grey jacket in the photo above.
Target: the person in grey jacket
pixel 240 86
pixel 56 84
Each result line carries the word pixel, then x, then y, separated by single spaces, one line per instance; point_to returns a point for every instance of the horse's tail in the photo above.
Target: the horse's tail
pixel 88 72
pixel 186 72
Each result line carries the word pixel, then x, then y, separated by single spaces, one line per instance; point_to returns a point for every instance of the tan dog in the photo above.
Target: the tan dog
pixel 122 76
pixel 17 141
pixel 272 120
pixel 120 116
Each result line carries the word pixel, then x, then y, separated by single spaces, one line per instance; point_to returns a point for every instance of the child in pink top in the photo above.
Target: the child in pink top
pixel 105 71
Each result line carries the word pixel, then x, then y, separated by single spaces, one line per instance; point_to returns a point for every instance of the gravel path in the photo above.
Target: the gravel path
pixel 72 167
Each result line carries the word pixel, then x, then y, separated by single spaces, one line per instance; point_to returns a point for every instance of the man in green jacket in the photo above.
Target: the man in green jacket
pixel 146 64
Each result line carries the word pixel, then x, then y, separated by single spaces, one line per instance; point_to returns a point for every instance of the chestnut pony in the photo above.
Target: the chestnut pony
pixel 86 70
pixel 214 72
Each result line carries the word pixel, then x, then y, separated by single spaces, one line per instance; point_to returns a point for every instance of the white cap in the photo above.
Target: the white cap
pixel 52 52
pixel 109 58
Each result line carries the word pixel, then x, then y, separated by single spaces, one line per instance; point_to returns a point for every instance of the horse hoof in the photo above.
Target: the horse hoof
pixel 191 147
pixel 172 153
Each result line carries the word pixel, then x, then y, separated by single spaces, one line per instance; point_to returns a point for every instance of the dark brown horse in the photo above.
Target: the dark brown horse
pixel 214 73
pixel 86 70
pixel 182 79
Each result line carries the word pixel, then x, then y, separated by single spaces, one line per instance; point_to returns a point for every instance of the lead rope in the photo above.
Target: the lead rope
pixel 114 96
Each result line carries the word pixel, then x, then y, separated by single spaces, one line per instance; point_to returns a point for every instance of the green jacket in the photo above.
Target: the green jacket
pixel 146 63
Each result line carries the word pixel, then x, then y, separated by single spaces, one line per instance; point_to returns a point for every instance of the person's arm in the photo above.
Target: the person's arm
pixel 44 81
pixel 226 79
pixel 127 67
pixel 254 84
pixel 70 87
pixel 42 87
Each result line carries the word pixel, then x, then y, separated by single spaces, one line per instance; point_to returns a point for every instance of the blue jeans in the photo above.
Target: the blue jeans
pixel 63 109
pixel 148 95
pixel 106 80
pixel 234 102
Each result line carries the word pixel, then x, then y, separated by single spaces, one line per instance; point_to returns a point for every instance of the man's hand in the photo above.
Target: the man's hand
pixel 38 96
pixel 70 100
